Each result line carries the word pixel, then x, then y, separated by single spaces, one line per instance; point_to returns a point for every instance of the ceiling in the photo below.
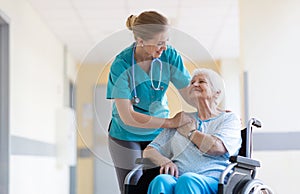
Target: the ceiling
pixel 80 24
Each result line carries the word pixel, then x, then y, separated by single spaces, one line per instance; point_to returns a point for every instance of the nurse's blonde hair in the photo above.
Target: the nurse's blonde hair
pixel 147 24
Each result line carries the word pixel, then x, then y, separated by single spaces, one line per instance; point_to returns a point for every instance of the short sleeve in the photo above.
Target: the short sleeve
pixel 118 85
pixel 229 133
pixel 180 76
pixel 162 143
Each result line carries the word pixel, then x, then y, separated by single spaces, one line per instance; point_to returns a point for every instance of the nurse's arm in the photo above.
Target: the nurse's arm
pixel 132 118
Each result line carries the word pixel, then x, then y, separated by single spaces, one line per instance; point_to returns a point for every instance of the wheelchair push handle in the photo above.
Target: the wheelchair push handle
pixel 252 122
pixel 255 122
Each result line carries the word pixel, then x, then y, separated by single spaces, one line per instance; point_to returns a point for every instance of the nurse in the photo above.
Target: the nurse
pixel 138 79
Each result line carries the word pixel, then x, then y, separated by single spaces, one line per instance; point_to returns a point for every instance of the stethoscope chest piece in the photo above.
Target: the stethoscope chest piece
pixel 135 100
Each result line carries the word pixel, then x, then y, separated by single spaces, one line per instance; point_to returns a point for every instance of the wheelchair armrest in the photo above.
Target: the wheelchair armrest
pixel 245 162
pixel 146 162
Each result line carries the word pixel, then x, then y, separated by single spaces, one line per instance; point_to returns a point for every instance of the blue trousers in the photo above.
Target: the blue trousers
pixel 188 183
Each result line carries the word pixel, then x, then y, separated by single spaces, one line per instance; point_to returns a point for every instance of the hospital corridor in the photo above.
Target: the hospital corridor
pixel 56 114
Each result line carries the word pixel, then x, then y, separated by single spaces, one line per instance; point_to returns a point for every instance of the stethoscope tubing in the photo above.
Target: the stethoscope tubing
pixel 135 99
pixel 160 73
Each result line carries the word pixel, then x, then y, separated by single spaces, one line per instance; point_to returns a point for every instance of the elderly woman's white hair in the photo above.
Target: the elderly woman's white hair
pixel 215 80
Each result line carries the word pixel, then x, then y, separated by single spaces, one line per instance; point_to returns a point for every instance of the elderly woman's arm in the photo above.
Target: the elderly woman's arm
pixel 166 165
pixel 206 143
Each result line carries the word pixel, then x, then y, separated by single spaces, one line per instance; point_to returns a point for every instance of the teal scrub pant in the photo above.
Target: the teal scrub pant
pixel 188 183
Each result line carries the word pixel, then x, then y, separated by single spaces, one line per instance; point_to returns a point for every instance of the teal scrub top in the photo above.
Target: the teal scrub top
pixel 152 102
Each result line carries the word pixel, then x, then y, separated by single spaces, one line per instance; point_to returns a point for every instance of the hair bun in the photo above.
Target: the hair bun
pixel 130 21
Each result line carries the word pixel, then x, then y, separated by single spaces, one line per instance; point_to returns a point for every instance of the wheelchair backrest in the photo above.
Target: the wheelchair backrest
pixel 242 151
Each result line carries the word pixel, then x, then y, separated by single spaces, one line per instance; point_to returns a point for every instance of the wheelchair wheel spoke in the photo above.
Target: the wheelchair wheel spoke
pixel 250 186
pixel 262 189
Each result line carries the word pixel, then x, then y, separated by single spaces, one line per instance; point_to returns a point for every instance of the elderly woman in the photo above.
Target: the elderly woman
pixel 192 157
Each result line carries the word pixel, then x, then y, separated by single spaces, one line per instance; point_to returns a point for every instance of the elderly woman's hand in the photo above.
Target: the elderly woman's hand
pixel 169 168
pixel 187 128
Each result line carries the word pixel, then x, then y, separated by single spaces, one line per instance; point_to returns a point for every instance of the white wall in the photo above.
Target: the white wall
pixel 232 75
pixel 270 53
pixel 36 92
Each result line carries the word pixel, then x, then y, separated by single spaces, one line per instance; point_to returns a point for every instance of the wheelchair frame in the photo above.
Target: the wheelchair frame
pixel 237 178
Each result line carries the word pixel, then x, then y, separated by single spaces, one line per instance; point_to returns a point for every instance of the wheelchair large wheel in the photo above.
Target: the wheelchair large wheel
pixel 256 186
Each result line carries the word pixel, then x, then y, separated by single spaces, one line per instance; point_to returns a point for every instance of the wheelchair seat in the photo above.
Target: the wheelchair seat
pixel 237 178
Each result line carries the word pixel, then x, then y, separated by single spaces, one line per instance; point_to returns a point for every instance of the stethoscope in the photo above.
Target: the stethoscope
pixel 136 99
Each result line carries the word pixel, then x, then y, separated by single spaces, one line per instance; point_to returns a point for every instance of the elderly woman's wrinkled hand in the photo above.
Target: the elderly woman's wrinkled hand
pixel 169 168
pixel 185 129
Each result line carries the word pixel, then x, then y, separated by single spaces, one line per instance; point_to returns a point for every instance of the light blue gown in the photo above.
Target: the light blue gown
pixel 198 171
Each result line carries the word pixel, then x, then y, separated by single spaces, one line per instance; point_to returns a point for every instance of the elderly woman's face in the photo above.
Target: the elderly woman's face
pixel 200 87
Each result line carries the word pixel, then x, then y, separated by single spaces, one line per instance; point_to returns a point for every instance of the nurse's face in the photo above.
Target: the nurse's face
pixel 155 46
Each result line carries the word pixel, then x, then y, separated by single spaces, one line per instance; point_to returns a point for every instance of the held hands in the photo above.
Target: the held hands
pixel 187 128
pixel 180 119
pixel 169 168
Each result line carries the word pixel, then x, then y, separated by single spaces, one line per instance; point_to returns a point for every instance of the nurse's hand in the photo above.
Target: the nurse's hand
pixel 179 120
pixel 169 168
pixel 186 129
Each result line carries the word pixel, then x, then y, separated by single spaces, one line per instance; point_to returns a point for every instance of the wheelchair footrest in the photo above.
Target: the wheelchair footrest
pixel 245 162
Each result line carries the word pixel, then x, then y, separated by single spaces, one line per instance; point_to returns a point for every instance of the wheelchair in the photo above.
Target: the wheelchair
pixel 237 178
